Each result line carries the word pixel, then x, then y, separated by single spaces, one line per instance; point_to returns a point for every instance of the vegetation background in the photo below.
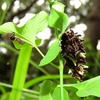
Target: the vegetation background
pixel 84 18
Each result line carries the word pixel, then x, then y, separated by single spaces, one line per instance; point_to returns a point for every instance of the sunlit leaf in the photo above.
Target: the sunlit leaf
pixel 88 88
pixel 28 31
pixel 33 26
pixel 8 27
pixel 51 54
pixel 57 6
pixel 57 17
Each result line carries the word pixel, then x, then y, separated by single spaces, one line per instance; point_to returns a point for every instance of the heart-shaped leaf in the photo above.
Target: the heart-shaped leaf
pixel 88 88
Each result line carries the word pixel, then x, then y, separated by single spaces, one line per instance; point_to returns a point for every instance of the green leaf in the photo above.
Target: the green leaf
pixel 51 54
pixel 33 26
pixel 88 88
pixel 45 90
pixel 57 6
pixel 38 42
pixel 57 17
pixel 57 94
pixel 8 27
pixel 29 30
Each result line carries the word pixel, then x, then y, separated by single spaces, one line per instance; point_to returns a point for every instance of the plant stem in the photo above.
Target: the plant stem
pixel 44 56
pixel 20 73
pixel 24 90
pixel 61 76
pixel 39 51
pixel 60 68
pixel 44 77
pixel 39 68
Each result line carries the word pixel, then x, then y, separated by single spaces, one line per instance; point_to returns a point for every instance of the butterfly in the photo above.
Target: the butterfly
pixel 12 37
pixel 73 52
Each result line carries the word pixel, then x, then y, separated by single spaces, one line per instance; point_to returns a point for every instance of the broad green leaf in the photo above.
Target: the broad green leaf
pixel 45 90
pixel 29 30
pixel 90 87
pixel 57 6
pixel 8 27
pixel 58 18
pixel 33 26
pixel 51 54
pixel 57 94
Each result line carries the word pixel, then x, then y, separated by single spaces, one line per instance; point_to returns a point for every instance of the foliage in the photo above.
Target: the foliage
pixel 27 33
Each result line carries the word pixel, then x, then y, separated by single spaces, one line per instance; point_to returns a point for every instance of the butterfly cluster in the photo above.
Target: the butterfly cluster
pixel 73 52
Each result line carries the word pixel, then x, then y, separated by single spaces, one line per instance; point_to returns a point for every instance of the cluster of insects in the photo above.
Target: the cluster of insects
pixel 12 37
pixel 73 53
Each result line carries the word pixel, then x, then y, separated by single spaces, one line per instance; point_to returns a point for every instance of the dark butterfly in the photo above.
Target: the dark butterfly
pixel 73 53
pixel 12 37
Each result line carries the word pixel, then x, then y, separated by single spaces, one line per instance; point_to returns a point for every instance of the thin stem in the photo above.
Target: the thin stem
pixel 61 76
pixel 24 90
pixel 52 64
pixel 39 51
pixel 60 68
pixel 39 68
pixel 44 77
pixel 36 81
